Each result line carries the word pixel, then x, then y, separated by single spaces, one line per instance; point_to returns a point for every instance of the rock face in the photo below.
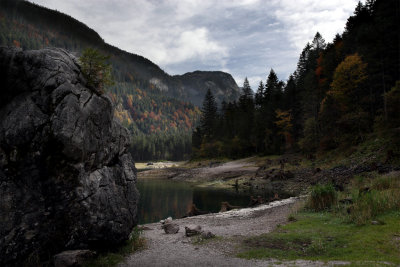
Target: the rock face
pixel 66 180
pixel 221 84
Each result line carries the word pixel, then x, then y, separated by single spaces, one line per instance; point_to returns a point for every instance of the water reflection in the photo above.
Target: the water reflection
pixel 162 198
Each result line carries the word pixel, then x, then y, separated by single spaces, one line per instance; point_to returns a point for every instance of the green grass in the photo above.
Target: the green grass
pixel 117 255
pixel 324 236
pixel 372 194
pixel 322 197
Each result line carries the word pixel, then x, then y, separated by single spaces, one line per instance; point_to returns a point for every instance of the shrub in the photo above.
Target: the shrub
pixel 322 197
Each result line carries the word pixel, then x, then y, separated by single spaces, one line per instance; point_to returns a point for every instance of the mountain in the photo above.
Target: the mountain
pixel 159 109
pixel 31 26
pixel 197 83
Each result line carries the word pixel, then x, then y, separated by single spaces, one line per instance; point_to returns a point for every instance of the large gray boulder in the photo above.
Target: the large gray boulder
pixel 66 179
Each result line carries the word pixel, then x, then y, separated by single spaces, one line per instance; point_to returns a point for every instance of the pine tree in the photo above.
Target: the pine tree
pixel 246 117
pixel 247 92
pixel 259 94
pixel 96 69
pixel 208 117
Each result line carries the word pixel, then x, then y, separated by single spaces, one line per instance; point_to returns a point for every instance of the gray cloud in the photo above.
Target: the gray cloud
pixel 243 37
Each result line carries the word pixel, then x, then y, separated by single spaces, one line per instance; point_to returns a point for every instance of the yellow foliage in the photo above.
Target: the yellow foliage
pixel 348 80
pixel 123 116
pixel 284 123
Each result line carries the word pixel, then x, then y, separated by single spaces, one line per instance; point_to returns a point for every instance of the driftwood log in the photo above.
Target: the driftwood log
pixel 256 201
pixel 225 206
pixel 194 211
pixel 276 197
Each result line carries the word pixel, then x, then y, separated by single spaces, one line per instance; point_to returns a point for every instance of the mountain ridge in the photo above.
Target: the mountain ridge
pixel 155 106
pixel 125 63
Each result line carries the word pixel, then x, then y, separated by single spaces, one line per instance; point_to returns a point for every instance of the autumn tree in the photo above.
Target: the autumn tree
pixel 348 90
pixel 348 85
pixel 285 126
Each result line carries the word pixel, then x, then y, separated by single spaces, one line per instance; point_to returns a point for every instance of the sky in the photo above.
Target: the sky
pixel 245 38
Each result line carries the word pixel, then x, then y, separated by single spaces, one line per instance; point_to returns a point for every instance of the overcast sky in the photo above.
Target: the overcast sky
pixel 242 37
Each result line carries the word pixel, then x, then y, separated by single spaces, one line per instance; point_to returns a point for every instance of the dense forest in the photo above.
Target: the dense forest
pixel 161 122
pixel 339 94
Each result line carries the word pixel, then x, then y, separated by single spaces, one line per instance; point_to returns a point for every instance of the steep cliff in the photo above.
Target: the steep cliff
pixel 221 84
pixel 66 180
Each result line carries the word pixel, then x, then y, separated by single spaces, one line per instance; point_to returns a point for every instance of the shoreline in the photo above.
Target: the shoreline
pixel 255 174
pixel 230 227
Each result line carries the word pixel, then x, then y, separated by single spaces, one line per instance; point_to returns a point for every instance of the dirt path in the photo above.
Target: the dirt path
pixel 230 227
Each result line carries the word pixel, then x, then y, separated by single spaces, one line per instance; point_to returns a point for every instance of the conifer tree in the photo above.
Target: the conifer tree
pixel 96 69
pixel 208 117
pixel 259 94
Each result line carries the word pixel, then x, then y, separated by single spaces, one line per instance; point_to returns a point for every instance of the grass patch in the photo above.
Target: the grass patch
pixel 117 255
pixel 324 236
pixel 199 240
pixel 322 197
pixel 371 195
pixel 340 230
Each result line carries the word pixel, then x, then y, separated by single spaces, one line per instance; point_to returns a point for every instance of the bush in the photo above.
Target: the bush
pixel 322 197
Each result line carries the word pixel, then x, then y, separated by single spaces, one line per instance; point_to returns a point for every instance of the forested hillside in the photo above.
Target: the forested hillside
pixel 151 103
pixel 31 26
pixel 340 93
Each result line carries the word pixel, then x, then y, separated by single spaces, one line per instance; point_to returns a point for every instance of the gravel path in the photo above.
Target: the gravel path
pixel 232 226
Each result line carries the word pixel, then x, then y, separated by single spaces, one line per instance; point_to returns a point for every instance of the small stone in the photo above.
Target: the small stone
pixel 170 228
pixel 377 222
pixel 207 235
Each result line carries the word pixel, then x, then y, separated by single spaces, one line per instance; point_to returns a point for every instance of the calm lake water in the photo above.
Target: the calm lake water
pixel 160 199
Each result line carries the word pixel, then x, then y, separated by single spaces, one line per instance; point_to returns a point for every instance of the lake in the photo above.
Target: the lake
pixel 160 198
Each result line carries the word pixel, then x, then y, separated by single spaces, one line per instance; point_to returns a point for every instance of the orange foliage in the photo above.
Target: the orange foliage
pixel 318 71
pixel 152 115
pixel 16 43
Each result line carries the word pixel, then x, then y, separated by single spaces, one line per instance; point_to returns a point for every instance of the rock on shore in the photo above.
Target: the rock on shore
pixel 66 179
